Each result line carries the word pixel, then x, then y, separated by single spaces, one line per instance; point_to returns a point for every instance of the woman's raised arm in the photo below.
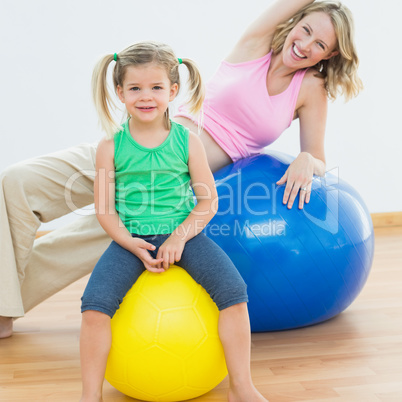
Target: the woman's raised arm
pixel 256 40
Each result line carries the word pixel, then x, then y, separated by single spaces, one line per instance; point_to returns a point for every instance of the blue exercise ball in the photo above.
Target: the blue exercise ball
pixel 301 267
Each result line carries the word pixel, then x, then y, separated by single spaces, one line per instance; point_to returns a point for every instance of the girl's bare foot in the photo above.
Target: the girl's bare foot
pixel 6 327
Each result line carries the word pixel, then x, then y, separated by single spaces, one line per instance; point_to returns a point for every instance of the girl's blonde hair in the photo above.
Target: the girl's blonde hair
pixel 138 54
pixel 340 71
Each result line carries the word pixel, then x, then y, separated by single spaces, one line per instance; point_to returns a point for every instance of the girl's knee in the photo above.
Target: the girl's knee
pixel 95 308
pixel 234 294
pixel 94 317
pixel 237 287
pixel 236 307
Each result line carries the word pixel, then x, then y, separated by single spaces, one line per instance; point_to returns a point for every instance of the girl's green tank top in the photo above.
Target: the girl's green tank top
pixel 153 192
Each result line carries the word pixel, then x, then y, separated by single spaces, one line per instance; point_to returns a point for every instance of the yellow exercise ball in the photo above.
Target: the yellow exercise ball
pixel 165 342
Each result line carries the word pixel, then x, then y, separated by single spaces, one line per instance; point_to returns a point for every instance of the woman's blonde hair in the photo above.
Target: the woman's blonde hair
pixel 340 71
pixel 138 54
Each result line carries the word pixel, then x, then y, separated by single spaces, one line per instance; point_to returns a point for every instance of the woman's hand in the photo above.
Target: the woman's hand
pixel 140 247
pixel 171 250
pixel 298 177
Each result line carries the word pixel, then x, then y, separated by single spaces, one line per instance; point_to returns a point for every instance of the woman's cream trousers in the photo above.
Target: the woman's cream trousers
pixel 40 190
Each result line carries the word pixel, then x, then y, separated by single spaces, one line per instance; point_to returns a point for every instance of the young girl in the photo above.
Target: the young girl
pixel 144 202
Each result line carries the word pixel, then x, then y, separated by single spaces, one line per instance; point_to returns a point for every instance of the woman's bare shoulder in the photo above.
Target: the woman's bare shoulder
pixel 313 84
pixel 312 91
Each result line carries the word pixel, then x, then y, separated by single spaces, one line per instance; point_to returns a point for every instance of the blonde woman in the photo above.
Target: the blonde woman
pixel 302 45
pixel 285 66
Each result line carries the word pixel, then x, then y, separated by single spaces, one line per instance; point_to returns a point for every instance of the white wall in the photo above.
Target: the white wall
pixel 48 49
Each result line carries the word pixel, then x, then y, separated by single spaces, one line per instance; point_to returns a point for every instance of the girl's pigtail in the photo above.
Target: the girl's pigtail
pixel 195 87
pixel 103 101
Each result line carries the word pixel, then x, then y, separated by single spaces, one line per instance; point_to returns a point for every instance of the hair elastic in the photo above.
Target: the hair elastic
pixel 180 61
pixel 115 57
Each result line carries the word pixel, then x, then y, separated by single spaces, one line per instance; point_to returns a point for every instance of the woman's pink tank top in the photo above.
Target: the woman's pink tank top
pixel 239 114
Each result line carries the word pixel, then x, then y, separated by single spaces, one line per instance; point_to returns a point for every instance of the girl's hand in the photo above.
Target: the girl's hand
pixel 171 250
pixel 298 177
pixel 140 248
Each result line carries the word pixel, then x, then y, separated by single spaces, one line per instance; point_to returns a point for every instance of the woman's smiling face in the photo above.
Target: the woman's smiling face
pixel 313 39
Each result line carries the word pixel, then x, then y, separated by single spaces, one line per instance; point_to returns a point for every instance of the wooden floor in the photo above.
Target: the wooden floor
pixel 356 356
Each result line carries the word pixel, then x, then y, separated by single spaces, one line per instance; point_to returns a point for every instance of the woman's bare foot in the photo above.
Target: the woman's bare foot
pixel 6 327
pixel 243 394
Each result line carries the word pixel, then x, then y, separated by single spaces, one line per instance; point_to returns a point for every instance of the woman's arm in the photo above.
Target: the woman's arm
pixel 256 40
pixel 105 207
pixel 207 204
pixel 311 160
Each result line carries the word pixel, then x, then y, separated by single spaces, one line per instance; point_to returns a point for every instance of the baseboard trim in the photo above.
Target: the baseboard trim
pixel 387 219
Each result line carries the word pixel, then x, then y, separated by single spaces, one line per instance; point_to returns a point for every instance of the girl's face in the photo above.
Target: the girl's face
pixel 146 92
pixel 313 39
